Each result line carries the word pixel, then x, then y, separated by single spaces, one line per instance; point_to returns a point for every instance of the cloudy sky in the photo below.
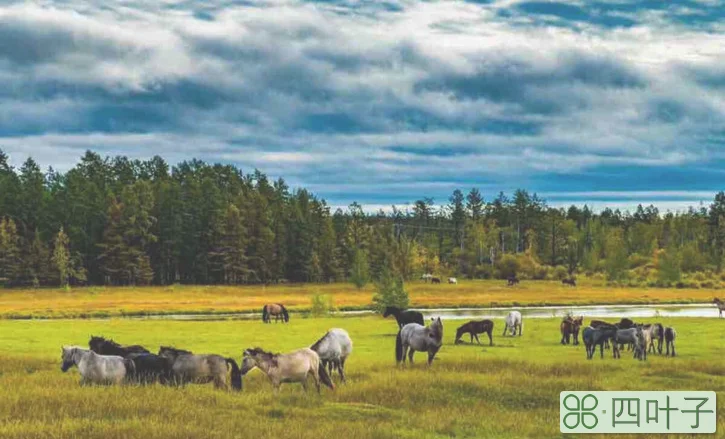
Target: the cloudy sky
pixel 611 102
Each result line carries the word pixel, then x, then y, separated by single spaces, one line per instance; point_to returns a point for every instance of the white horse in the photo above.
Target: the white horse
pixel 333 349
pixel 452 280
pixel 426 277
pixel 94 368
pixel 294 367
pixel 414 337
pixel 513 321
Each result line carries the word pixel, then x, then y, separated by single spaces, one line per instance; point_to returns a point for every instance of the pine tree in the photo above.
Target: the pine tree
pixel 360 269
pixel 474 204
pixel 9 251
pixel 61 258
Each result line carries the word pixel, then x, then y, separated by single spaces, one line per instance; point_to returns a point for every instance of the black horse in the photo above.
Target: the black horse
pixel 569 281
pixel 475 327
pixel 593 337
pixel 512 280
pixel 404 317
pixel 102 346
pixel 150 368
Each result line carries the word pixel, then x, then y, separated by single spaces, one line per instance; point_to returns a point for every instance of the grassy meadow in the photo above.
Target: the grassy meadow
pixel 509 390
pixel 115 301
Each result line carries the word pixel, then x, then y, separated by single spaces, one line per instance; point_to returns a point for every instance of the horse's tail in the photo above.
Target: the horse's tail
pixel 324 376
pixel 398 348
pixel 264 313
pixel 236 374
pixel 284 312
pixel 130 367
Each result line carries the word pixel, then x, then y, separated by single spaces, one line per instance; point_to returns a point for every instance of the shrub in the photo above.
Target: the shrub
pixel 508 266
pixel 360 274
pixel 560 272
pixel 322 305
pixel 391 292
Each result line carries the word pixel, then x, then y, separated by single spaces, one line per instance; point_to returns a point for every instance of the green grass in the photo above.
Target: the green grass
pixel 508 390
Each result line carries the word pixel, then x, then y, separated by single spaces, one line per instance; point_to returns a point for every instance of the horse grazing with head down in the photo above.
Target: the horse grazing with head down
pixel 186 367
pixel 475 327
pixel 102 346
pixel 512 322
pixel 415 337
pixel 277 310
pixel 293 367
pixel 403 317
pixel 94 368
pixel 512 280
pixel 570 327
pixel 333 349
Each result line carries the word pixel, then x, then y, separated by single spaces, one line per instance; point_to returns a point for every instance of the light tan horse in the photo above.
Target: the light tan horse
pixel 293 367
pixel 277 310
pixel 720 305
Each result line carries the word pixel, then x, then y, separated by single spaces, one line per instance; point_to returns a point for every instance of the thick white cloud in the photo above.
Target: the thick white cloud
pixel 363 92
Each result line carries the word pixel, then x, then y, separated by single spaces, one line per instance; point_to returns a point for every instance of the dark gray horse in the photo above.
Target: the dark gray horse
pixel 187 367
pixel 414 337
pixel 670 336
pixel 636 338
pixel 598 336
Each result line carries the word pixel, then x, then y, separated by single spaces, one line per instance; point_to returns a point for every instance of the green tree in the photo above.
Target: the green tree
pixel 616 256
pixel 61 258
pixel 9 250
pixel 390 292
pixel 669 265
pixel 360 269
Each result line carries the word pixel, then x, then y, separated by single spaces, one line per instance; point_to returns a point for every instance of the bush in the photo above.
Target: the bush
pixel 707 284
pixel 508 266
pixel 484 271
pixel 560 272
pixel 322 305
pixel 391 292
pixel 360 273
pixel 637 260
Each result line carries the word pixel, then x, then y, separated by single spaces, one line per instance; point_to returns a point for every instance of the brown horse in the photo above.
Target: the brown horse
pixel 274 309
pixel 720 305
pixel 475 327
pixel 570 326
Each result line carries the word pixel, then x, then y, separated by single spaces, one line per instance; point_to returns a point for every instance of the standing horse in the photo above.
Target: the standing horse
pixel 403 317
pixel 635 336
pixel 414 337
pixel 150 368
pixel 452 280
pixel 94 368
pixel 102 346
pixel 474 328
pixel 435 280
pixel 598 336
pixel 277 310
pixel 512 280
pixel 333 349
pixel 569 281
pixel 656 333
pixel 570 327
pixel 513 321
pixel 670 336
pixel 426 277
pixel 294 367
pixel 187 367
pixel 720 306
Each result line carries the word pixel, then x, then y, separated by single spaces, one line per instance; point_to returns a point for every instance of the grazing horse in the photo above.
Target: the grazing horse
pixel 656 333
pixel 513 321
pixel 186 367
pixel 569 281
pixel 426 277
pixel 293 367
pixel 414 337
pixel 720 306
pixel 435 280
pixel 475 327
pixel 670 336
pixel 635 336
pixel 94 368
pixel 150 368
pixel 598 336
pixel 512 280
pixel 277 310
pixel 333 349
pixel 404 317
pixel 102 346
pixel 452 280
pixel 570 326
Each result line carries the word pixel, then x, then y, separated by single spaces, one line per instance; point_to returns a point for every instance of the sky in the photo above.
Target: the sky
pixel 609 103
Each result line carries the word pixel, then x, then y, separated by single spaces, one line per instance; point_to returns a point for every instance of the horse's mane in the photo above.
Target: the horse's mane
pixel 316 346
pixel 265 354
pixel 175 350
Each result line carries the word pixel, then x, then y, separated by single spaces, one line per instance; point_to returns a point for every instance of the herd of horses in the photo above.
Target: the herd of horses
pixel 427 277
pixel 107 362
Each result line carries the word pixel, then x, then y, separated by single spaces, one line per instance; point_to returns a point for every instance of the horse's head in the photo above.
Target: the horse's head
pixel 436 329
pixel 68 357
pixel 171 353
pixel 96 343
pixel 389 310
pixel 252 357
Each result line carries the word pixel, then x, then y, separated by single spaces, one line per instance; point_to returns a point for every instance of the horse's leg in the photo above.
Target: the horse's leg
pixel 490 337
pixel 505 327
pixel 673 348
pixel 410 355
pixel 521 328
pixel 341 368
pixel 431 356
pixel 477 339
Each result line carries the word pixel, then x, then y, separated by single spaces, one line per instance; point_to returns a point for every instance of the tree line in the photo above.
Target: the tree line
pixel 117 221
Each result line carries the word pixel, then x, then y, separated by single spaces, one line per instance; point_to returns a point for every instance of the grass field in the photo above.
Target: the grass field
pixel 100 301
pixel 508 390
